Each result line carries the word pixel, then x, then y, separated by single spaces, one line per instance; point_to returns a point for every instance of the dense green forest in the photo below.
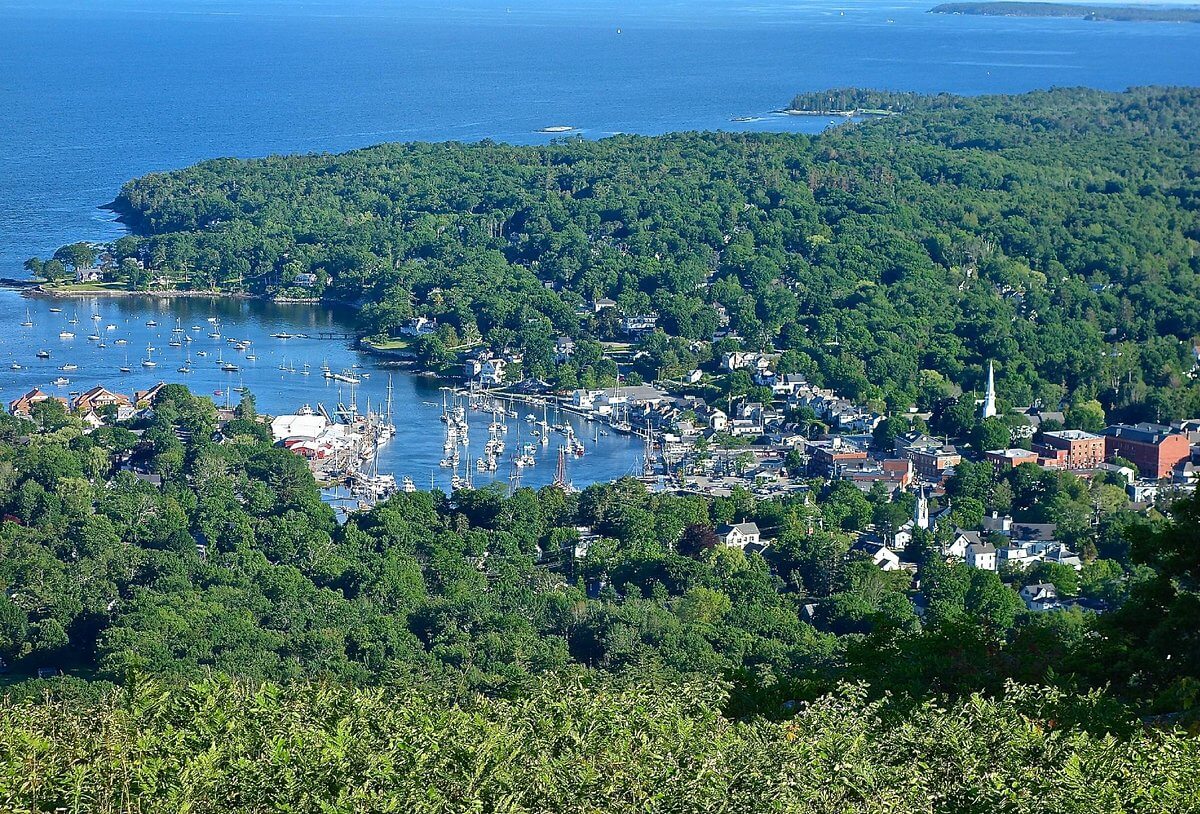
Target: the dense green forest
pixel 1054 232
pixel 567 747
pixel 479 637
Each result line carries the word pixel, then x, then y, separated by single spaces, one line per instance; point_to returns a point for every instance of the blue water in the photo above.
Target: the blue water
pixel 417 400
pixel 92 94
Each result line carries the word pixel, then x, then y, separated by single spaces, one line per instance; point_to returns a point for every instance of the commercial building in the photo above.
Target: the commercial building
pixel 1154 448
pixel 1084 449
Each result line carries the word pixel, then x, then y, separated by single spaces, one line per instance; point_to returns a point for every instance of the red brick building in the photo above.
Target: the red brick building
pixel 1084 450
pixel 1154 448
pixel 1004 459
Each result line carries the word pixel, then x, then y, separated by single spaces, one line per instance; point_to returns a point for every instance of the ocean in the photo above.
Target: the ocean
pixel 93 94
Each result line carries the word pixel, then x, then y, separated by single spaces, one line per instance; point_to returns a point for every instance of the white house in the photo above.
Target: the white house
pixel 981 556
pixel 960 542
pixel 880 554
pixel 1042 596
pixel 491 372
pixel 739 535
pixel 563 349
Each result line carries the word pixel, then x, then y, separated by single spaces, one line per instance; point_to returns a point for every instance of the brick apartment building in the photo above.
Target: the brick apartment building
pixel 1154 448
pixel 1084 449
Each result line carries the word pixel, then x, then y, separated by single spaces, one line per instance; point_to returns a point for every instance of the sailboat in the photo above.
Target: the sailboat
pixel 187 363
pixel 125 368
pixel 28 323
pixel 148 362
pixel 74 318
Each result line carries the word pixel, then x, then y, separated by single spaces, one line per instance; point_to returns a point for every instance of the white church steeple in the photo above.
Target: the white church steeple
pixel 921 510
pixel 989 397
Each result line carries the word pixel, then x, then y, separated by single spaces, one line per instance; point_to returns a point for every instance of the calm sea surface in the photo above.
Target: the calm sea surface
pixel 92 94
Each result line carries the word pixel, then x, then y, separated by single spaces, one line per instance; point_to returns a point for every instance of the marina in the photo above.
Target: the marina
pixel 315 365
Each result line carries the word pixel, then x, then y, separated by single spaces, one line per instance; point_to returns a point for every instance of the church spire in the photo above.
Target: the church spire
pixel 989 397
pixel 921 510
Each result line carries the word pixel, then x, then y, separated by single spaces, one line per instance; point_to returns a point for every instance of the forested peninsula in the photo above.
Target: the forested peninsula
pixel 1055 232
pixel 1151 14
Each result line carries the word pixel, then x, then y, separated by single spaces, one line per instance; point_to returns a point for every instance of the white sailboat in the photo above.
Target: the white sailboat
pixel 28 323
pixel 148 362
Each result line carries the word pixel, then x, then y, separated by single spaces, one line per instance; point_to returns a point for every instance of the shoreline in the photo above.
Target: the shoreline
pixel 846 114
pixel 403 358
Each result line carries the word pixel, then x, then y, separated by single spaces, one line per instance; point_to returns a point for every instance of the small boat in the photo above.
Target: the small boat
pixel 65 335
pixel 151 324
pixel 148 362
pixel 93 337
pixel 61 381
pixel 218 392
pixel 121 342
pixel 202 353
pixel 125 369
pixel 213 319
pixel 28 323
pixel 69 366
pixel 43 354
pixel 74 318
pixel 110 327
pixel 185 369
pixel 15 366
pixel 229 367
pixel 56 310
pixel 282 336
pixel 251 357
pixel 102 344
pixel 177 329
pixel 174 343
pixel 96 317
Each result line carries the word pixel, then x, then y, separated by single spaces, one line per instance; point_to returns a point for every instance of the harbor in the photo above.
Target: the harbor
pixel 240 351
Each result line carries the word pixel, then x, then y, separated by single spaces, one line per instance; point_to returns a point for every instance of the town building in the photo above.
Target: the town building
pixel 1041 596
pixel 22 405
pixel 989 396
pixel 98 398
pixel 1004 459
pixel 879 554
pixel 148 397
pixel 1084 449
pixel 739 535
pixel 1154 448
pixel 981 556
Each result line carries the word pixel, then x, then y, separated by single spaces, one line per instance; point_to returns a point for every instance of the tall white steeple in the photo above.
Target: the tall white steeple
pixel 989 397
pixel 921 510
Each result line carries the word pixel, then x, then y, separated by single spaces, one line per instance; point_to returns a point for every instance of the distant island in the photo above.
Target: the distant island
pixel 1150 14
